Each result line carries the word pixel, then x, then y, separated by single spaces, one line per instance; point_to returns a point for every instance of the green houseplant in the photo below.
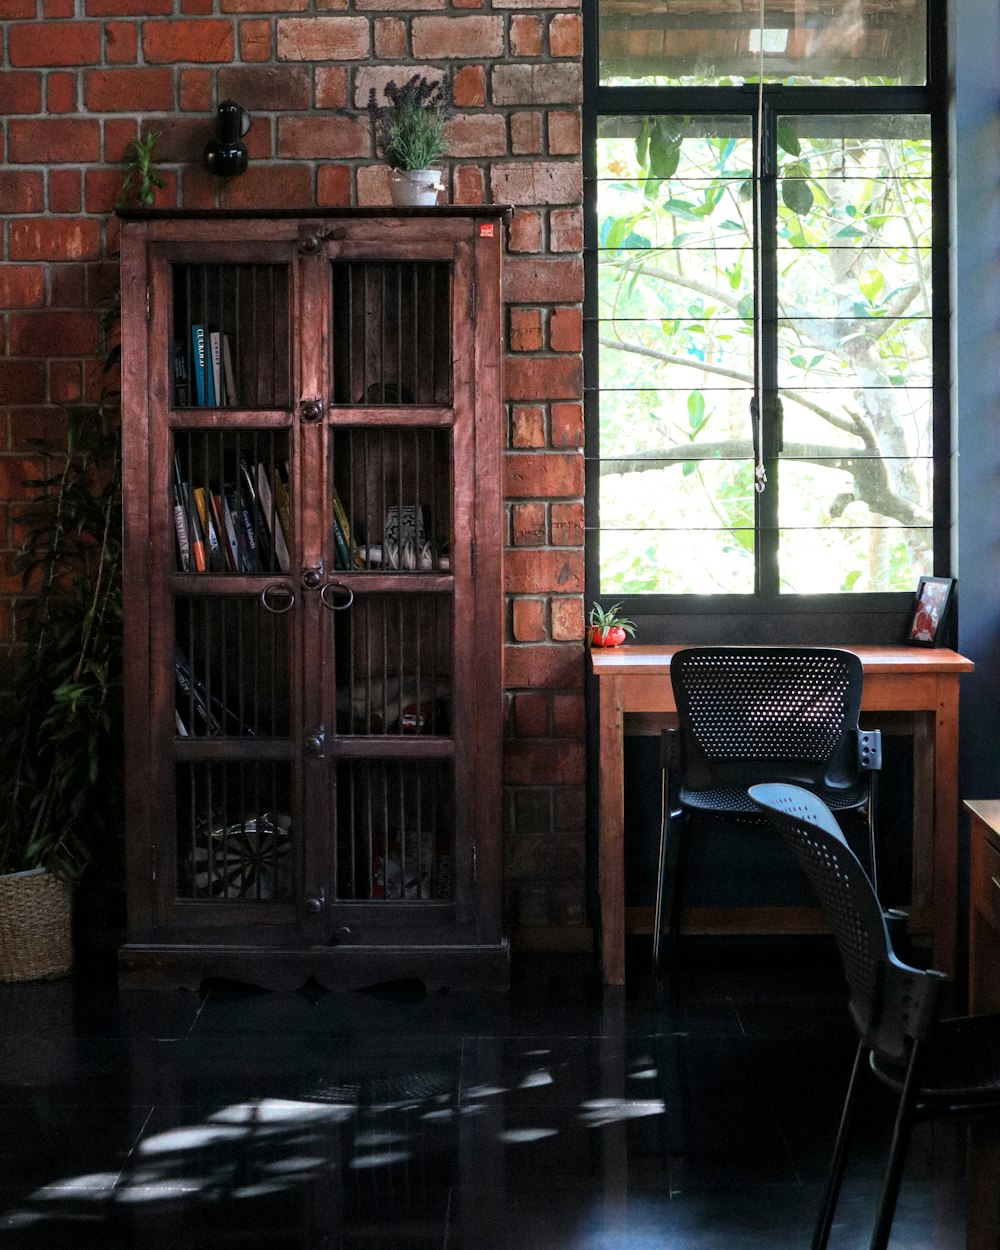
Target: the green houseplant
pixel 61 775
pixel 410 135
pixel 608 627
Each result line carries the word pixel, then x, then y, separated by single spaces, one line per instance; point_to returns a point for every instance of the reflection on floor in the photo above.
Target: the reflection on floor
pixel 562 1116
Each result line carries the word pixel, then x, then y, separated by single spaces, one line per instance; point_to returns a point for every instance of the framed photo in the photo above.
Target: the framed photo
pixel 930 609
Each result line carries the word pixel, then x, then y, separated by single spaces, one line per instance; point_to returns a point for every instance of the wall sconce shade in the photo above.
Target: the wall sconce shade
pixel 226 155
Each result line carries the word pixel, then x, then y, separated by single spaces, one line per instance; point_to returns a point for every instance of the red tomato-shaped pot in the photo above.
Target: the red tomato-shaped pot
pixel 614 637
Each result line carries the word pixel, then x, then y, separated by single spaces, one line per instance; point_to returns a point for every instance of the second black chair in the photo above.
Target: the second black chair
pixel 756 714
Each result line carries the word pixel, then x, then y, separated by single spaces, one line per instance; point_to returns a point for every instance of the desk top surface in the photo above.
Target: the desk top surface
pixel 644 659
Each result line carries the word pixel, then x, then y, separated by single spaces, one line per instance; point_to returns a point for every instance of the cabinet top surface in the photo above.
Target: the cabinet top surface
pixel 648 660
pixel 306 213
pixel 987 811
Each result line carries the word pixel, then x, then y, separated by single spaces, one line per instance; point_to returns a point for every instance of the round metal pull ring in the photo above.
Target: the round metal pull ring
pixel 337 607
pixel 267 602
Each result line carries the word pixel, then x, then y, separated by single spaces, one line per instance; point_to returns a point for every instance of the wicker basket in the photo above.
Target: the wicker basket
pixel 35 936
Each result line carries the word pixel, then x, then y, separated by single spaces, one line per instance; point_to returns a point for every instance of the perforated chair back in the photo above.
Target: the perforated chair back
pixel 891 1003
pixel 756 714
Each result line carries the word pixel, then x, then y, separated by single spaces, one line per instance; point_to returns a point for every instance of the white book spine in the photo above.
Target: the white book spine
pixel 215 346
pixel 270 513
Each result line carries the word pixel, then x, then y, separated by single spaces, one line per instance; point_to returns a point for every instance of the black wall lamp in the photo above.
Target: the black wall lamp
pixel 226 155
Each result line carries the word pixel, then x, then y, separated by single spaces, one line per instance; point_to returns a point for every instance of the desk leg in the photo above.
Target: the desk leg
pixel 611 835
pixel 945 876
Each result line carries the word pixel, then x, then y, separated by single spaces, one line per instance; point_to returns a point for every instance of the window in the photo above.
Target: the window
pixel 765 300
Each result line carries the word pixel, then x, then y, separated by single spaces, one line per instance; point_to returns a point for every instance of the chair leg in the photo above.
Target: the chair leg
pixel 838 1163
pixel 677 905
pixel 661 876
pixel 897 1157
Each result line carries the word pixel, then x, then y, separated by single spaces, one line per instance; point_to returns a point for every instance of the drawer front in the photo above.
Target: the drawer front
pixel 986 880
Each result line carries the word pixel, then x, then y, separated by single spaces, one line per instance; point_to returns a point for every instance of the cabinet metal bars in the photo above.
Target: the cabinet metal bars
pixel 394 667
pixel 395 831
pixel 238 315
pixel 391 332
pixel 232 501
pixel 231 665
pixel 392 498
pixel 234 831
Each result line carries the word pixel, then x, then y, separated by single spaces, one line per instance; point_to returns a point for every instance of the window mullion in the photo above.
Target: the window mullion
pixel 767 295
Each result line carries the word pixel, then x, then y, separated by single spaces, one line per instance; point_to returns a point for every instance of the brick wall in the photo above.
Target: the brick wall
pixel 80 78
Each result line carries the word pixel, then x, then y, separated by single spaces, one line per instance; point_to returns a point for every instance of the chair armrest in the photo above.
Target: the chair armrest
pixel 869 750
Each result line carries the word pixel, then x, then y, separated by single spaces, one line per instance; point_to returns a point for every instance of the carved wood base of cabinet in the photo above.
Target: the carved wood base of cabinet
pixel 341 968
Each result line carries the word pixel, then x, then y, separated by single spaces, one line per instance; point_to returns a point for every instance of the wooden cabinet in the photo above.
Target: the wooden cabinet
pixel 313 595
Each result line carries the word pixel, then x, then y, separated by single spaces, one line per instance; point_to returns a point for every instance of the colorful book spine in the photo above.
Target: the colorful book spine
pixel 198 363
pixel 282 499
pixel 231 519
pixel 252 507
pixel 214 553
pixel 343 560
pixel 340 517
pixel 215 358
pixel 271 518
pixel 220 515
pixel 180 520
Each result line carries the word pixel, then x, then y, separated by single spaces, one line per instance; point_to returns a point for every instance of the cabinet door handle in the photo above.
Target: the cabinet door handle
pixel 277 598
pixel 341 589
pixel 311 409
pixel 312 577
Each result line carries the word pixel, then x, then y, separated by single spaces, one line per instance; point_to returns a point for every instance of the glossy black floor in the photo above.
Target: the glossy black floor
pixel 560 1116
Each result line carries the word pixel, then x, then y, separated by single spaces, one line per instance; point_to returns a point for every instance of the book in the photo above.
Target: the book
pixel 245 531
pixel 180 520
pixel 282 499
pixel 343 554
pixel 181 394
pixel 228 376
pixel 195 532
pixel 257 520
pixel 216 557
pixel 270 512
pixel 229 550
pixel 340 518
pixel 242 559
pixel 215 359
pixel 206 712
pixel 198 362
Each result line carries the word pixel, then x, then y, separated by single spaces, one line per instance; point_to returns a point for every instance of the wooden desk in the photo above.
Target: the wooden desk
pixel 912 690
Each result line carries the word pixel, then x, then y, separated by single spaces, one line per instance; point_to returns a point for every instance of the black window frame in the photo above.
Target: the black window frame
pixel 860 617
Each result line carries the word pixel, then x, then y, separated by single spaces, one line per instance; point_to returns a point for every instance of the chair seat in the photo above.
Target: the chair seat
pixel 962 1063
pixel 734 800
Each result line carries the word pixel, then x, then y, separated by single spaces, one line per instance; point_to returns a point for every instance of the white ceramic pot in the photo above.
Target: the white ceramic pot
pixel 415 187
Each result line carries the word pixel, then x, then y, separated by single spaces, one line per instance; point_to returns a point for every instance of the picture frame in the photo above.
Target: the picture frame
pixel 930 611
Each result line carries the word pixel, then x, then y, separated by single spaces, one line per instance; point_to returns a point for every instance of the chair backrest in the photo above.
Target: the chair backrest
pixel 750 714
pixel 891 1003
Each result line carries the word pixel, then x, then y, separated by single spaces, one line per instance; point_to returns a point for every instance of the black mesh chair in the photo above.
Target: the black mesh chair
pixel 936 1067
pixel 752 714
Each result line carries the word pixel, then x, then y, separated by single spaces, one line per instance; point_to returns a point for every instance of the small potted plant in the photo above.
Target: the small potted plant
pixel 409 134
pixel 608 627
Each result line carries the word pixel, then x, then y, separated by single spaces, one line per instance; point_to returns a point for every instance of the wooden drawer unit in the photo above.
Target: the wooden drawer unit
pixel 984 906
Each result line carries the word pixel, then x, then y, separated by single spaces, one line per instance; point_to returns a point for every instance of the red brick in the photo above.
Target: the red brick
pixel 566 230
pixel 264 6
pixel 44 334
pixel 530 715
pixel 536 571
pixel 103 281
pixel 267 88
pixel 64 191
pixel 319 138
pixel 20 93
pixel 66 287
pixel 538 84
pixel 268 186
pixel 165 43
pixel 566 330
pixel 40 238
pixel 552 667
pixel 129 90
pixel 128 8
pixel 331 87
pixel 528 426
pixel 194 90
pixel 34 43
pixel 196 7
pixel 525 233
pixel 367 77
pixel 468 4
pixel 569 808
pixel 323 39
pixel 58 8
pixel 54 142
pixel 525 134
pixel 470 38
pixel 121 43
pixel 526 35
pixel 567 524
pixel 60 93
pixel 537 182
pixel 533 763
pixel 566 35
pixel 21 381
pixel 65 381
pixel 119 135
pixel 469 86
pixel 373 185
pixel 390 38
pixel 529 620
pixel 542 377
pixel 10 10
pixel 476 134
pixel 333 185
pixel 255 40
pixel 550 475
pixel 22 286
pixel 526 329
pixel 567 425
pixel 468 184
pixel 564 133
pixel 101 189
pixel 567 619
pixel 21 191
pixel 528 524
pixel 544 281
pixel 569 711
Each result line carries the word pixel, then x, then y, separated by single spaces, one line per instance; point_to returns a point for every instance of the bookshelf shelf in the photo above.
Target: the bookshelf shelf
pixel 313 437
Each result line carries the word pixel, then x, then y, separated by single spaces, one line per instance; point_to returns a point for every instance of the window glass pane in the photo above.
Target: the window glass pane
pixel 677 562
pixel 717 42
pixel 854 352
